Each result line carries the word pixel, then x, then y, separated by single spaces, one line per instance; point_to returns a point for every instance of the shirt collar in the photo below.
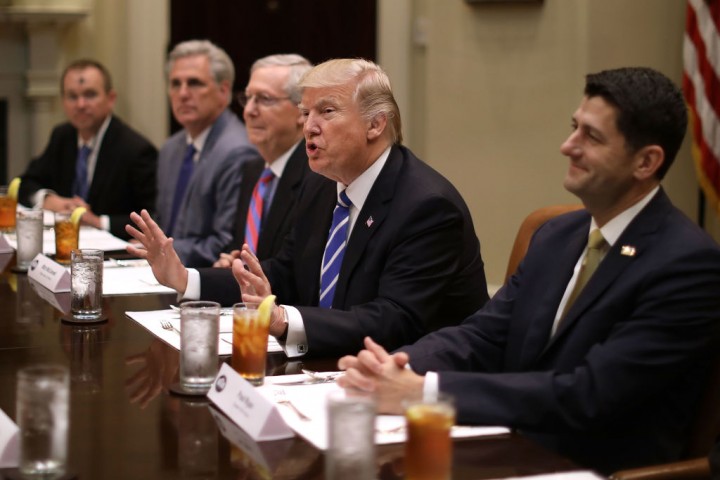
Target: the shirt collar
pixel 199 141
pixel 612 230
pixel 97 139
pixel 278 165
pixel 359 189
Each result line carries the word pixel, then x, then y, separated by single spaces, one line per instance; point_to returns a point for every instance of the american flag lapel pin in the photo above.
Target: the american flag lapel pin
pixel 627 250
pixel 369 221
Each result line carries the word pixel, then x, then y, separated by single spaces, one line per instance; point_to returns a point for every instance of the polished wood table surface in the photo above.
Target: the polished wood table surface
pixel 125 425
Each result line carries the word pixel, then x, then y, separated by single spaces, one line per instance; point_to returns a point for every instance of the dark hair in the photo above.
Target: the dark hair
pixel 82 64
pixel 651 109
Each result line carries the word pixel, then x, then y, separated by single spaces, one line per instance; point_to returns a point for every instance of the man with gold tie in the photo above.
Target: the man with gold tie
pixel 598 345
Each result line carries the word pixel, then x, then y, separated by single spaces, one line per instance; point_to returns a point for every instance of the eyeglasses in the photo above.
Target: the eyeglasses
pixel 260 98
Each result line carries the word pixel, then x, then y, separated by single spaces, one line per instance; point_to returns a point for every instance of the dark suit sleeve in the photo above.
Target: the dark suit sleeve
pixel 643 337
pixel 142 186
pixel 395 292
pixel 46 170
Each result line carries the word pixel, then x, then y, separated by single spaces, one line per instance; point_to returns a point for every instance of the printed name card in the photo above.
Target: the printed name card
pixel 49 274
pixel 252 412
pixel 9 442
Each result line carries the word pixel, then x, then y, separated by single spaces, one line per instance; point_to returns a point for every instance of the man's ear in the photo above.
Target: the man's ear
pixel 376 127
pixel 648 160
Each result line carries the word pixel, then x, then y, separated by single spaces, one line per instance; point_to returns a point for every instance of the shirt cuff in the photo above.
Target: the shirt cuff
pixel 295 344
pixel 431 385
pixel 105 223
pixel 38 197
pixel 192 291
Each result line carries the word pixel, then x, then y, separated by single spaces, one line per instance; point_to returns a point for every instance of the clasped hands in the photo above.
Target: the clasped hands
pixel 387 375
pixel 158 250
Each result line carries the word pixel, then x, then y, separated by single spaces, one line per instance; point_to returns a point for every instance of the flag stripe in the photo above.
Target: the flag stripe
pixel 701 86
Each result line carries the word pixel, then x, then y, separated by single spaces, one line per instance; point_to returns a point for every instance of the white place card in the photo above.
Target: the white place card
pixel 264 457
pixel 60 301
pixel 9 442
pixel 254 413
pixel 49 274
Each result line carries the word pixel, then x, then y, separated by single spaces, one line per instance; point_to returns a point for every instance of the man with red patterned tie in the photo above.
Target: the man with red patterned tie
pixel 270 185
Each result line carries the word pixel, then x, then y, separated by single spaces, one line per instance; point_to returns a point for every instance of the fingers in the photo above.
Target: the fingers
pixel 381 354
pixel 401 359
pixel 225 260
pixel 353 378
pixel 348 361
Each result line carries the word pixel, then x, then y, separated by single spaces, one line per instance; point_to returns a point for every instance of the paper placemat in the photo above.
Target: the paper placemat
pixel 152 321
pixel 310 400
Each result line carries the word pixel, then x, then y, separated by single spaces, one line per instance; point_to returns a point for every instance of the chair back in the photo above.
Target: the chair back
pixel 527 229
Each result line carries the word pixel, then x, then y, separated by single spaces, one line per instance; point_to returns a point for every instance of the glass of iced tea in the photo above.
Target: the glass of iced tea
pixel 250 338
pixel 8 207
pixel 428 450
pixel 66 237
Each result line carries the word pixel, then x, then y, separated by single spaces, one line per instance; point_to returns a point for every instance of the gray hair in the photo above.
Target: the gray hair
pixel 298 65
pixel 372 92
pixel 221 66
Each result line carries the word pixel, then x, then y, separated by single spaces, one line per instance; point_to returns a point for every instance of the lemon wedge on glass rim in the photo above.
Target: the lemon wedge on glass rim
pixel 14 188
pixel 77 214
pixel 265 310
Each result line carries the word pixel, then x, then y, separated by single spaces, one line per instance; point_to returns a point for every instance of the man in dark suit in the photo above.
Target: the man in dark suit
pixel 382 244
pixel 610 379
pixel 94 160
pixel 269 186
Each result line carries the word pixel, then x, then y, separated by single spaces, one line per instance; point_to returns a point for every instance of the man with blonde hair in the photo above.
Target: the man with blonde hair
pixel 382 244
pixel 199 167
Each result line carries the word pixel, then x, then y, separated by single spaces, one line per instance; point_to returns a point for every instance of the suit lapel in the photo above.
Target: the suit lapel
pixel 284 198
pixel 369 220
pixel 103 163
pixel 561 260
pixel 636 238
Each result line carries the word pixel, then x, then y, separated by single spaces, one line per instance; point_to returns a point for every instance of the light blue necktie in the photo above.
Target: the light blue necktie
pixel 334 250
pixel 186 170
pixel 80 186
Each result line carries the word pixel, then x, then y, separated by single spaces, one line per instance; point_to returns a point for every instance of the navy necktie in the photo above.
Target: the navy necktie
pixel 334 250
pixel 186 170
pixel 80 186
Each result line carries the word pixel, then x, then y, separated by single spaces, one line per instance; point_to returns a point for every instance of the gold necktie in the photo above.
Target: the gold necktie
pixel 595 250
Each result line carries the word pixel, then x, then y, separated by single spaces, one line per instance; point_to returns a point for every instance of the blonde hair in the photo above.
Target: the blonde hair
pixel 372 92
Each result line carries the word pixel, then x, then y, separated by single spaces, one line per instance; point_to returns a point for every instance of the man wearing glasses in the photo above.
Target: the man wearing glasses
pixel 199 168
pixel 93 160
pixel 269 186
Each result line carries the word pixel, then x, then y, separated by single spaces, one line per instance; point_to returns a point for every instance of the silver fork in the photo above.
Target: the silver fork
pixel 280 398
pixel 168 326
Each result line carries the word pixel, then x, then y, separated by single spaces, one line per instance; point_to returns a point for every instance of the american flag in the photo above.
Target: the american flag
pixel 701 85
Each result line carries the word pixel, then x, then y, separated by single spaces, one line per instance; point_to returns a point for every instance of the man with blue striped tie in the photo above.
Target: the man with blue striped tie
pixel 382 244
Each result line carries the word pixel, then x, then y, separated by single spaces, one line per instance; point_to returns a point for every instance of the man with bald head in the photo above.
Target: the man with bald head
pixel 93 160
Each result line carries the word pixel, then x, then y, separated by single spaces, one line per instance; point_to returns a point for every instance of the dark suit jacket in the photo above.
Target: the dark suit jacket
pixel 617 385
pixel 278 218
pixel 412 262
pixel 124 178
pixel 206 218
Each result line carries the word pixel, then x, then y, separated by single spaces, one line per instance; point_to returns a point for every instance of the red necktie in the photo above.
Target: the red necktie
pixel 255 211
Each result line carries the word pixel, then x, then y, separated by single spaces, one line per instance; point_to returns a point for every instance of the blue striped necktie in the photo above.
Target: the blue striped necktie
pixel 334 250
pixel 80 186
pixel 186 170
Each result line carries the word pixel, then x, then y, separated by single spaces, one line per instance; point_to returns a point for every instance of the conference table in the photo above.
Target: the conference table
pixel 126 424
